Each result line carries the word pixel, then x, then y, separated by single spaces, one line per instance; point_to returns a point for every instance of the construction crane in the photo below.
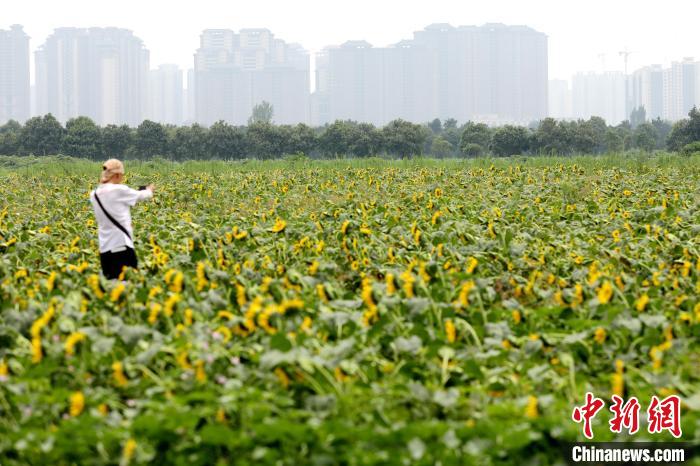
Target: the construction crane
pixel 626 54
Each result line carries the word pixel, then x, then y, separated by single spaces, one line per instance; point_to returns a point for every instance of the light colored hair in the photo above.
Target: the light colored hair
pixel 110 168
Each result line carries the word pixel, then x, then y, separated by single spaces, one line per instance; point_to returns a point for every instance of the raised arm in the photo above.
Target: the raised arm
pixel 132 196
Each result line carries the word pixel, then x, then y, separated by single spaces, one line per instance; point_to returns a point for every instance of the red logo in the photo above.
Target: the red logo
pixel 665 415
pixel 587 412
pixel 626 415
pixel 661 415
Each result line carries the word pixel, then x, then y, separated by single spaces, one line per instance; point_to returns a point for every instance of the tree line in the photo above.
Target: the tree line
pixel 81 137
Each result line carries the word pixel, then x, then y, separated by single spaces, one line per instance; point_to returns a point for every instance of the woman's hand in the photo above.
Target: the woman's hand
pixel 151 187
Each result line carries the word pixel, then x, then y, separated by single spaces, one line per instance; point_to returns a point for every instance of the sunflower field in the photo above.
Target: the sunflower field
pixel 346 313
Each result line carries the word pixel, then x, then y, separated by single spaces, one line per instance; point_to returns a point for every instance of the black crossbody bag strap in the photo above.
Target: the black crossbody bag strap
pixel 111 219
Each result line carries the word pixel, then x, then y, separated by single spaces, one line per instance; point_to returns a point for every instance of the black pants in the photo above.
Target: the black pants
pixel 114 262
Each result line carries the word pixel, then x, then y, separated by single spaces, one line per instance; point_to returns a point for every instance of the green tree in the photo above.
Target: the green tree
pixel 367 140
pixel 116 140
pixel 266 141
pixel 42 135
pixel 453 136
pixel 685 131
pixel 473 150
pixel 638 116
pixel 450 123
pixel 440 148
pixel 224 141
pixel 12 126
pixel 663 130
pixel 338 138
pixel 552 138
pixel 598 129
pixel 301 139
pixel 691 149
pixel 624 129
pixel 582 137
pixel 475 134
pixel 435 126
pixel 10 134
pixel 510 140
pixel 83 138
pixel 614 141
pixel 151 139
pixel 644 137
pixel 403 138
pixel 262 113
pixel 190 142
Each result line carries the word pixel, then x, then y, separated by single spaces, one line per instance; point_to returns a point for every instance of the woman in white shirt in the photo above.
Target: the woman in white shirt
pixel 112 202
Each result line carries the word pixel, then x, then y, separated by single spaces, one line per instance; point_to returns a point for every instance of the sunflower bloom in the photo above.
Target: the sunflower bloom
pixel 605 292
pixel 408 280
pixel 282 376
pixel 199 372
pixel 463 299
pixel 77 404
pixel 600 335
pixel 279 226
pixel 531 411
pixel 153 315
pixel 618 379
pixel 321 292
pixel 93 282
pixel 390 284
pixel 128 450
pixel 517 316
pixel 225 333
pixel 170 304
pixel 450 331
pixel 50 282
pixel 72 340
pixel 37 353
pixel 641 303
pixel 117 292
pixel 471 265
pixel 201 273
pixel 118 374
pixel 578 295
pixel 175 282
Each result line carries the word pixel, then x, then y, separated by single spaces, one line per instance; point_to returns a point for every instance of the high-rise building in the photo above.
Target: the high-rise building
pixel 14 74
pixel 560 104
pixel 409 86
pixel 189 93
pixel 320 109
pixel 233 72
pixel 647 90
pixel 679 86
pixel 101 73
pixel 165 93
pixel 355 82
pixel 599 94
pixel 492 73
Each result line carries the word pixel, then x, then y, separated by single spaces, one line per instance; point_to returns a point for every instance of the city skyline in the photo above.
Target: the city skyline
pixel 582 37
pixel 114 81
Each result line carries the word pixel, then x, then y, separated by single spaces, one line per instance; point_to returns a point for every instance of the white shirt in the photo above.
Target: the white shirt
pixel 117 199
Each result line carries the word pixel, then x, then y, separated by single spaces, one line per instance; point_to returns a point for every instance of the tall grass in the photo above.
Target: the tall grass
pixel 67 166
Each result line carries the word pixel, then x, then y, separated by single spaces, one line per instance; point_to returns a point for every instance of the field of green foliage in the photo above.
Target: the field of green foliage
pixel 351 312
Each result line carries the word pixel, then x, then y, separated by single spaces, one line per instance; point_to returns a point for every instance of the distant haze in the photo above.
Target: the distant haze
pixel 582 35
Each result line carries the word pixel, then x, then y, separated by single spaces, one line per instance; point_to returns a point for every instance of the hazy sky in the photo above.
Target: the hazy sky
pixel 579 31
